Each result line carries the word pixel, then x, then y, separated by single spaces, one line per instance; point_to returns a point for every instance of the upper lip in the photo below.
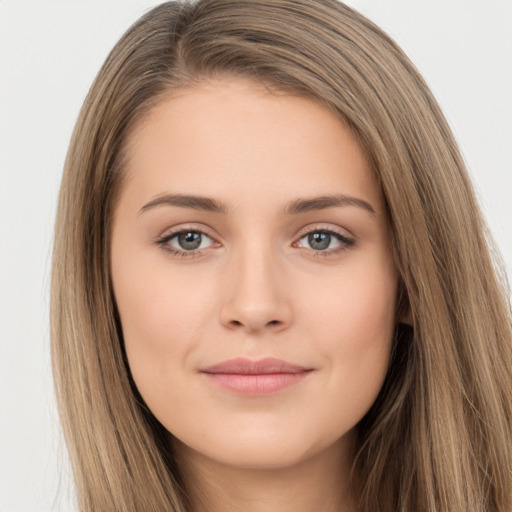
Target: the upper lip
pixel 242 366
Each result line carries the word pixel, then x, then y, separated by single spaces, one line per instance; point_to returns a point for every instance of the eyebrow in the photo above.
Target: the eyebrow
pixel 187 201
pixel 295 207
pixel 324 202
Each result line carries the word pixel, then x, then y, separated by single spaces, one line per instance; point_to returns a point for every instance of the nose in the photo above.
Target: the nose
pixel 256 294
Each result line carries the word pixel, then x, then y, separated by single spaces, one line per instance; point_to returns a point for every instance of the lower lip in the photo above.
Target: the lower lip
pixel 261 384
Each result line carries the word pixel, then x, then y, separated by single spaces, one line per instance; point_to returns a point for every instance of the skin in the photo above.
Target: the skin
pixel 255 288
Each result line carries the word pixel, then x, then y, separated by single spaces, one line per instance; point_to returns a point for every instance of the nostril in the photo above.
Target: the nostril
pixel 238 323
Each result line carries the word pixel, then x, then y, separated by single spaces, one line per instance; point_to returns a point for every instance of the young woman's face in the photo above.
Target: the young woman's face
pixel 253 272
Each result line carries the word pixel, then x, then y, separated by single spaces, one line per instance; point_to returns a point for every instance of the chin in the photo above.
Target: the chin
pixel 259 449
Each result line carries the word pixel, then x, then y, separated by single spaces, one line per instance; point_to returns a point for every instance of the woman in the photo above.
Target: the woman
pixel 282 292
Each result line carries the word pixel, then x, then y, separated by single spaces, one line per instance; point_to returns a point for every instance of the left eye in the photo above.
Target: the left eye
pixel 323 240
pixel 189 240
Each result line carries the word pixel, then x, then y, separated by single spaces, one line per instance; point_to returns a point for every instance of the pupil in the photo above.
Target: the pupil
pixel 319 241
pixel 189 240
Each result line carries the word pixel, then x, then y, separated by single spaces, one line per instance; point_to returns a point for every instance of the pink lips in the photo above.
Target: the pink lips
pixel 262 377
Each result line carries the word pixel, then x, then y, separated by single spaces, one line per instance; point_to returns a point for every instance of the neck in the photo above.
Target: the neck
pixel 318 483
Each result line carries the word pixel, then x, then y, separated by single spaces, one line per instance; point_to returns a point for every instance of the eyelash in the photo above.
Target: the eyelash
pixel 345 242
pixel 163 242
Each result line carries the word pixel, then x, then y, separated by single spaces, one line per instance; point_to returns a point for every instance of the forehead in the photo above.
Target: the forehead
pixel 234 138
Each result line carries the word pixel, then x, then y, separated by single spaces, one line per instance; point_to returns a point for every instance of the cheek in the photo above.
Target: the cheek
pixel 355 322
pixel 152 315
pixel 162 315
pixel 368 312
pixel 357 303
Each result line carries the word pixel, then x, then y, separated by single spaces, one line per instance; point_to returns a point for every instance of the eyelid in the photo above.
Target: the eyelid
pixel 328 228
pixel 162 240
pixel 167 235
pixel 187 226
pixel 345 240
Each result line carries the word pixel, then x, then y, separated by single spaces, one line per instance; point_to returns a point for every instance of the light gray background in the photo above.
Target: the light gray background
pixel 50 50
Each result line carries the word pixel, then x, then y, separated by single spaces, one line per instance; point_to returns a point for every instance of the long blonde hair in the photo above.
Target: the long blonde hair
pixel 439 436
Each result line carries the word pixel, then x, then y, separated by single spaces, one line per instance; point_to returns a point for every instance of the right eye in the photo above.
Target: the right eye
pixel 190 240
pixel 186 242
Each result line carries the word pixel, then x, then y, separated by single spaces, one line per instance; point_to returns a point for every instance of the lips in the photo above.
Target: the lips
pixel 265 366
pixel 261 377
